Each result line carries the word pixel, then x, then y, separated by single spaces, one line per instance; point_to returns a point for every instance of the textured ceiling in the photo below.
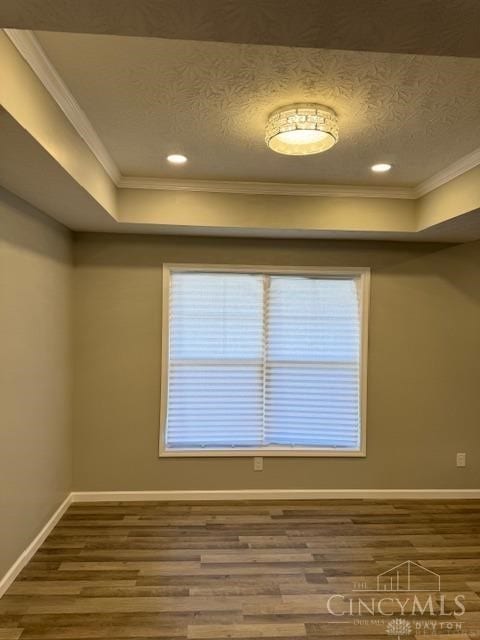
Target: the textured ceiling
pixel 149 97
pixel 441 27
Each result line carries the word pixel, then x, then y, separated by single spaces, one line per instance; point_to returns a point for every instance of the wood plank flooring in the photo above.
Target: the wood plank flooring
pixel 247 570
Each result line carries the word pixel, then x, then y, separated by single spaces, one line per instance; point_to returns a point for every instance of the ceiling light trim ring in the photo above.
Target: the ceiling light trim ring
pixel 381 167
pixel 177 158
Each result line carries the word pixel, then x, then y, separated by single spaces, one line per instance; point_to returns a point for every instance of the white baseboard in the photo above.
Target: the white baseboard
pixel 33 547
pixel 277 494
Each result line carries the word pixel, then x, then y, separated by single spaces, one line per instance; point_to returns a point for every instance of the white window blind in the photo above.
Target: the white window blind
pixel 263 362
pixel 312 363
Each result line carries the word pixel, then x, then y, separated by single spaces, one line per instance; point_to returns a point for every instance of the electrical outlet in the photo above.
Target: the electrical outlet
pixel 258 464
pixel 461 459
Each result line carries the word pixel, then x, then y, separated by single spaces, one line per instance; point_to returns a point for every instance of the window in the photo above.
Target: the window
pixel 264 361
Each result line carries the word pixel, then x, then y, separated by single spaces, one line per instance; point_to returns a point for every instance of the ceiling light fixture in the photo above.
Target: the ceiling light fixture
pixel 177 158
pixel 382 167
pixel 301 129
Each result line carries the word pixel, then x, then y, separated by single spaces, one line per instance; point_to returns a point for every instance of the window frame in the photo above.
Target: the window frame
pixel 363 273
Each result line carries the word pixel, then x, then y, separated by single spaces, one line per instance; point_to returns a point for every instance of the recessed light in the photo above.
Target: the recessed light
pixel 177 158
pixel 382 167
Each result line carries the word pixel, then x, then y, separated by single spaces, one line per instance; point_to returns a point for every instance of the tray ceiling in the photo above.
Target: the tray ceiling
pixel 149 97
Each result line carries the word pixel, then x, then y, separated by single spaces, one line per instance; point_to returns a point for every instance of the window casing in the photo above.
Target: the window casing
pixel 264 361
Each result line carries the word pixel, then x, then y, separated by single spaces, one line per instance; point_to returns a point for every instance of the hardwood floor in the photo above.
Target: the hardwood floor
pixel 250 570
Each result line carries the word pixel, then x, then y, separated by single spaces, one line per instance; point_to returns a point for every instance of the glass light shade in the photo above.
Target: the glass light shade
pixel 301 129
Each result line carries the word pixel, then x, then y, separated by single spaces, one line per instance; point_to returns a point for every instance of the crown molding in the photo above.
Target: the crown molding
pixel 30 49
pixel 265 188
pixel 457 168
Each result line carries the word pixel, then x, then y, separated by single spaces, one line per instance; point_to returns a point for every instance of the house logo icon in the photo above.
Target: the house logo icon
pixel 408 576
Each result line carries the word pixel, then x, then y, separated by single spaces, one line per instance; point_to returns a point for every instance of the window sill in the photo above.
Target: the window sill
pixel 264 453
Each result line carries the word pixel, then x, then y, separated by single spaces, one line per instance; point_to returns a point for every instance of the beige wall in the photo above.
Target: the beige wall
pixel 35 362
pixel 424 365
